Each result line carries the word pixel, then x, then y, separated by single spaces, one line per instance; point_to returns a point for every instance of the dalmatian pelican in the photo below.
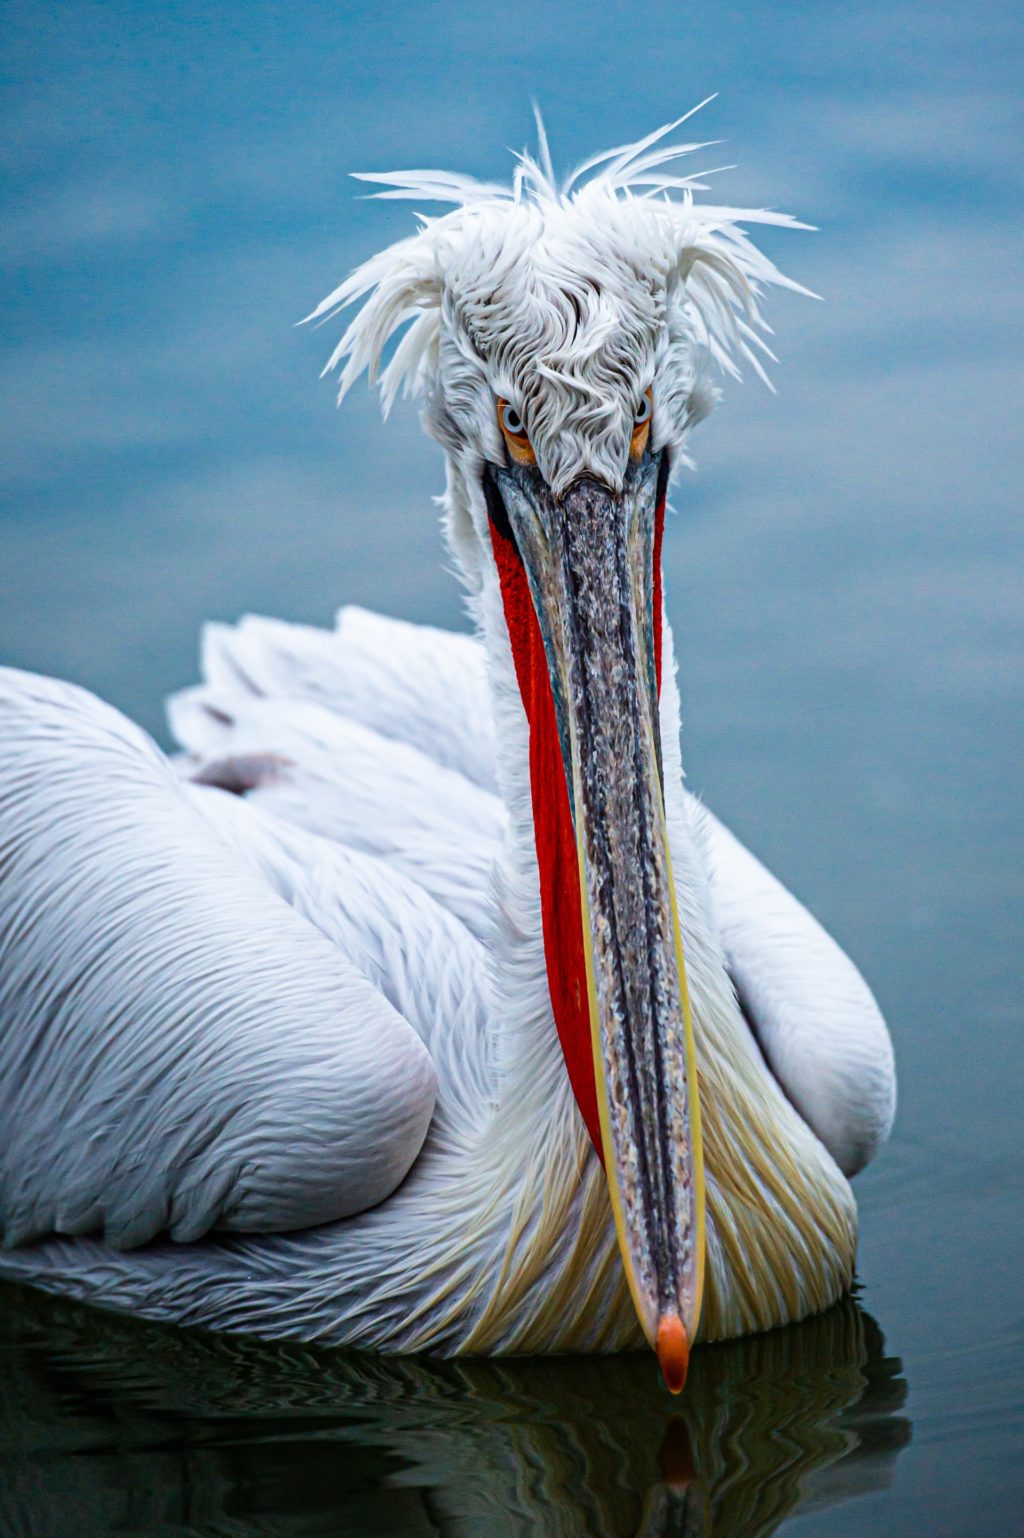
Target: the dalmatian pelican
pixel 422 1009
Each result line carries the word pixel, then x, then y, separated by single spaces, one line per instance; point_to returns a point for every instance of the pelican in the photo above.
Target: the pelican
pixel 419 1007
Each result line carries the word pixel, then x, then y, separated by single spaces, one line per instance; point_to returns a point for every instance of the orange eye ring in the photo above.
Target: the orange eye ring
pixel 641 426
pixel 513 430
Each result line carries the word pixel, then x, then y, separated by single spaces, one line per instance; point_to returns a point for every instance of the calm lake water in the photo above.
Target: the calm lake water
pixel 845 582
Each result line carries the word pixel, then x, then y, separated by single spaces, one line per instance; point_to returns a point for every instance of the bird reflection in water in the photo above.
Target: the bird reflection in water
pixel 676 1507
pixel 109 1424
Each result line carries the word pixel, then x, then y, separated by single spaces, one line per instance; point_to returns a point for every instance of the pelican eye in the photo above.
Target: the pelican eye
pixel 513 430
pixel 641 425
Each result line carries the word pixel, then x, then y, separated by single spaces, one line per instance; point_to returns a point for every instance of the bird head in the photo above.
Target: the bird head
pixel 565 340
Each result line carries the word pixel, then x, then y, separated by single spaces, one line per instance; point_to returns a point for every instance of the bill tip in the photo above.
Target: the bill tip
pixel 673 1349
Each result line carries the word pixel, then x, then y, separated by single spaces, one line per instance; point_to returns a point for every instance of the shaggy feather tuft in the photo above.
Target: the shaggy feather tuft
pixel 569 299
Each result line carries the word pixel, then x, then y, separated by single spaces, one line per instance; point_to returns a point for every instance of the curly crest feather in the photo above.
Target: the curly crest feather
pixel 569 299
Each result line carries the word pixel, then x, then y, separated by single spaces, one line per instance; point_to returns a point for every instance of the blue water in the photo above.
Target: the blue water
pixel 844 577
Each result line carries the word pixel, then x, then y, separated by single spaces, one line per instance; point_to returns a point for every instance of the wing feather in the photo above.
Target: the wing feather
pixel 418 685
pixel 345 782
pixel 179 1048
pixel 813 1014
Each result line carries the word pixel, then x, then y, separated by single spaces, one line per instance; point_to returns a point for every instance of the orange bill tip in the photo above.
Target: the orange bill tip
pixel 673 1350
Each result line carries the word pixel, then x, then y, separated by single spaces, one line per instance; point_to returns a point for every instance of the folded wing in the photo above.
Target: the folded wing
pixel 180 1049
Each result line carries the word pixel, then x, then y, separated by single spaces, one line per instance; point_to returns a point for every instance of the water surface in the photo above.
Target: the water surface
pixel 116 1426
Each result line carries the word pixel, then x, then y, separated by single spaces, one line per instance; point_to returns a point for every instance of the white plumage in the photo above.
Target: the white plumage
pixel 287 999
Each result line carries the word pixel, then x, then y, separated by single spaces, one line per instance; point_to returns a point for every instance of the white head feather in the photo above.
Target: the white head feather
pixel 567 300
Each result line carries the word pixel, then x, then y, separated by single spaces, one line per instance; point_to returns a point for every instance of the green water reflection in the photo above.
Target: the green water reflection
pixel 112 1426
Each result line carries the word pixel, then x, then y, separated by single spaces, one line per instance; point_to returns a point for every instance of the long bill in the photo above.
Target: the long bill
pixel 585 567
